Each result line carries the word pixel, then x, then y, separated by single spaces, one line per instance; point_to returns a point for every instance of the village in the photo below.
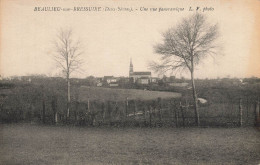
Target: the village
pixel 136 79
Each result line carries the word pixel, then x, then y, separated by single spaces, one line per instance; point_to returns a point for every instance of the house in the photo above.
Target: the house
pixel 110 79
pixel 154 79
pixel 143 80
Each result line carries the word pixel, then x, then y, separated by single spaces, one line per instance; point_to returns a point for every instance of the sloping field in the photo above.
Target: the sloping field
pixel 97 93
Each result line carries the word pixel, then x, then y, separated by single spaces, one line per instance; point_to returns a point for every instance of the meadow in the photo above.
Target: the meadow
pixel 113 94
pixel 41 144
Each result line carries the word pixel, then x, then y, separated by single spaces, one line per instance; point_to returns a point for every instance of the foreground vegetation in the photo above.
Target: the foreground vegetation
pixel 31 144
pixel 45 101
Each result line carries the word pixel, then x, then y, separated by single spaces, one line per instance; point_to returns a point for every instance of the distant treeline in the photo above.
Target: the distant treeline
pixel 123 82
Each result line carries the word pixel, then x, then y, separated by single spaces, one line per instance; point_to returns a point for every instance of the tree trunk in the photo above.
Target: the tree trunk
pixel 196 110
pixel 68 103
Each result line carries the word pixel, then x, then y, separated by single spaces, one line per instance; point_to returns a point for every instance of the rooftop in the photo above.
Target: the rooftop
pixel 142 73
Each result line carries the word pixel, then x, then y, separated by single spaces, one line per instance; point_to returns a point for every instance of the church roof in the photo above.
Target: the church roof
pixel 142 73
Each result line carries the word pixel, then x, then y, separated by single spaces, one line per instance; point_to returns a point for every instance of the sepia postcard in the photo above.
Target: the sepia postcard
pixel 129 82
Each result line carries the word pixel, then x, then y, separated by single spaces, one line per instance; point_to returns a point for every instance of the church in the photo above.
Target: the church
pixel 139 77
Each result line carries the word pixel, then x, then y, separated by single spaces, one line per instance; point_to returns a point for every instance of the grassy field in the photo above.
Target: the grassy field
pixel 98 93
pixel 34 144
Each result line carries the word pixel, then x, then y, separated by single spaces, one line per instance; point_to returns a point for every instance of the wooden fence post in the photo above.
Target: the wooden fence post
pixel 56 113
pixel 43 111
pixel 144 112
pixel 257 113
pixel 126 107
pixel 150 115
pixel 109 110
pixel 117 115
pixel 247 107
pixel 160 108
pixel 88 105
pixel 240 113
pixel 187 109
pixel 232 108
pixel 172 108
pixel 76 111
pixel 177 116
pixel 75 115
pixel 92 114
pixel 103 111
pixel 54 108
pixel 135 108
pixel 182 115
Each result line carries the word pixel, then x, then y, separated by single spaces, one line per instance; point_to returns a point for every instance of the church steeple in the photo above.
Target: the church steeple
pixel 131 68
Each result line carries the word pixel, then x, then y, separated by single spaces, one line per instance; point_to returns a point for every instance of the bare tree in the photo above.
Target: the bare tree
pixel 184 46
pixel 68 53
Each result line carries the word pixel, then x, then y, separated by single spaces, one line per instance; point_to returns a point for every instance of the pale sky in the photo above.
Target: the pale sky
pixel 111 38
